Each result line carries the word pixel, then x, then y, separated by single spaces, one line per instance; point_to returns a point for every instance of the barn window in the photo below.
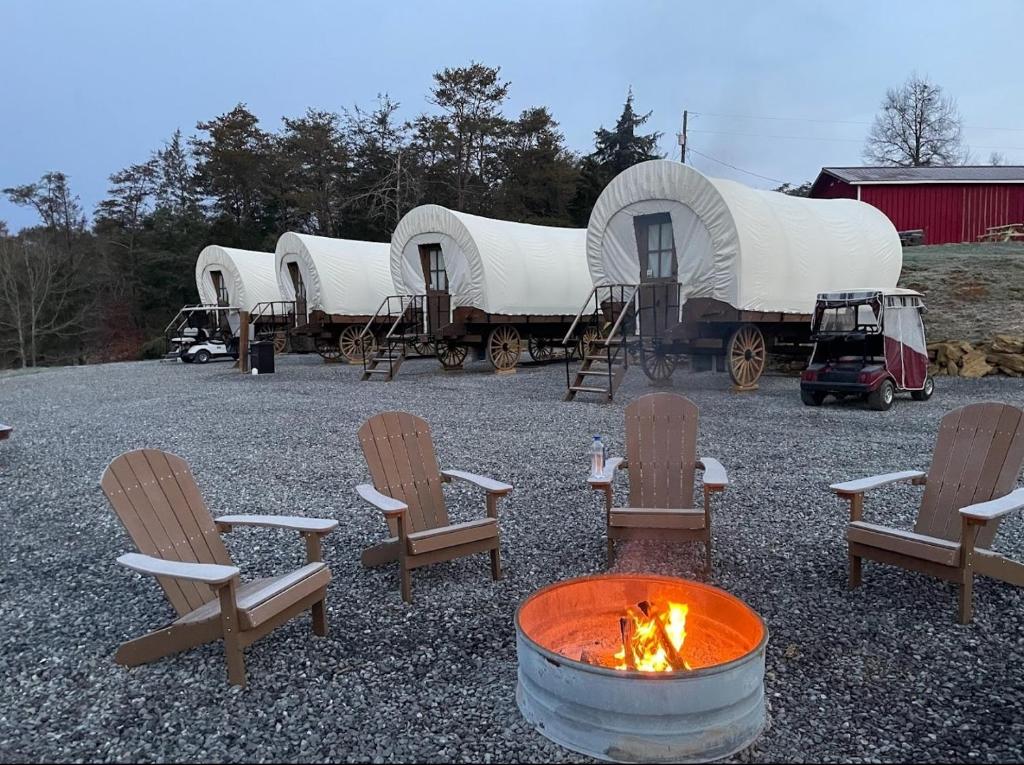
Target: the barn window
pixel 656 246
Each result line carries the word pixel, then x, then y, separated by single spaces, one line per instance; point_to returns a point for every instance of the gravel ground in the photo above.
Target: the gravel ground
pixel 880 674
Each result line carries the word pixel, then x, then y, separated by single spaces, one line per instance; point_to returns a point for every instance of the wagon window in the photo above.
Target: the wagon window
pixel 219 287
pixel 656 245
pixel 433 266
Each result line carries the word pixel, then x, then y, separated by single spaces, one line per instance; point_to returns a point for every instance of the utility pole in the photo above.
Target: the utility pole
pixel 682 140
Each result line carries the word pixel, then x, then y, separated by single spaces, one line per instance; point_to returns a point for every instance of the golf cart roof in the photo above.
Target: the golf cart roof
pixel 864 294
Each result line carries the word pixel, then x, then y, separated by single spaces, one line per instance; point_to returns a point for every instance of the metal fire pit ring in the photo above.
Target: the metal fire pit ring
pixel 616 715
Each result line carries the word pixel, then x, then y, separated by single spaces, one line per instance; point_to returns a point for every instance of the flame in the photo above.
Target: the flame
pixel 654 636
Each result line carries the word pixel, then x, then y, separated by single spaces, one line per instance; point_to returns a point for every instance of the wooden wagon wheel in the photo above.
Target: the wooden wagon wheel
pixel 423 349
pixel 504 347
pixel 328 348
pixel 540 348
pixel 585 346
pixel 352 347
pixel 657 365
pixel 450 354
pixel 746 354
pixel 280 341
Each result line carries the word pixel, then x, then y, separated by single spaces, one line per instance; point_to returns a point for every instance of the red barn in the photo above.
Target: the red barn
pixel 950 204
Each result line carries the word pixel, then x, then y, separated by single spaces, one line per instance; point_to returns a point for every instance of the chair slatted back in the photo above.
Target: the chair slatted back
pixel 978 456
pixel 156 497
pixel 661 447
pixel 399 451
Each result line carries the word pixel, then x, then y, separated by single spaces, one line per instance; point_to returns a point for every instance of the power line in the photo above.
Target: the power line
pixel 833 140
pixel 691 150
pixel 829 122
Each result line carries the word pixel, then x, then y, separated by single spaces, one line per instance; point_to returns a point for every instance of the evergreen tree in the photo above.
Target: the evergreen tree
pixel 314 160
pixel 539 172
pixel 614 151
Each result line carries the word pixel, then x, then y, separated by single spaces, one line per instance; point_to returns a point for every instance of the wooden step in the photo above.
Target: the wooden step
pixel 586 389
pixel 374 371
pixel 593 372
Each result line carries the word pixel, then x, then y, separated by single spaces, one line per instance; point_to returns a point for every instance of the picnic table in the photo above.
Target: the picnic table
pixel 1008 233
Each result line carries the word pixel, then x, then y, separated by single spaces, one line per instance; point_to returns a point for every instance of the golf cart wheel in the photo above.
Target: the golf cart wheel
pixel 746 353
pixel 812 397
pixel 540 348
pixel 351 345
pixel 926 392
pixel 202 356
pixel 504 346
pixel 657 365
pixel 450 354
pixel 280 341
pixel 328 348
pixel 881 399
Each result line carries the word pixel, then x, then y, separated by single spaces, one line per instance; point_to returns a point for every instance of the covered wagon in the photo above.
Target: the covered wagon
pixel 338 286
pixel 491 286
pixel 686 265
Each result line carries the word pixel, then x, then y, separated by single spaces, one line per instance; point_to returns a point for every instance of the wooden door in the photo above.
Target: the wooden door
pixel 220 287
pixel 439 302
pixel 659 290
pixel 300 291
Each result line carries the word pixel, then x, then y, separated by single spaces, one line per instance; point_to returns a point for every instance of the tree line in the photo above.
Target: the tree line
pixel 75 290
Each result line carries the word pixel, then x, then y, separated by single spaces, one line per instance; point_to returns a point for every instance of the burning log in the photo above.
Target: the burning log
pixel 627 626
pixel 674 658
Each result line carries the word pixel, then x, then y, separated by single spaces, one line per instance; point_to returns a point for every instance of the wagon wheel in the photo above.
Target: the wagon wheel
pixel 585 346
pixel 280 341
pixel 746 354
pixel 450 354
pixel 423 349
pixel 352 347
pixel 657 365
pixel 328 348
pixel 504 347
pixel 540 348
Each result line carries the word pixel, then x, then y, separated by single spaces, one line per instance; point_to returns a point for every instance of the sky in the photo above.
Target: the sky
pixel 774 90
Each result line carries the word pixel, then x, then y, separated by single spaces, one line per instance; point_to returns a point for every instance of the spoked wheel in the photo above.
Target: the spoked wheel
pixel 504 347
pixel 352 346
pixel 747 354
pixel 328 348
pixel 450 354
pixel 280 341
pixel 588 340
pixel 657 365
pixel 540 348
pixel 423 349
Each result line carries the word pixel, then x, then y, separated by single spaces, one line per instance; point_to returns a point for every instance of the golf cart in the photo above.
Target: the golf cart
pixel 868 343
pixel 200 333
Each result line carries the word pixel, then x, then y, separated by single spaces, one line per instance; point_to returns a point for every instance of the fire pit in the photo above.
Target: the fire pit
pixel 636 668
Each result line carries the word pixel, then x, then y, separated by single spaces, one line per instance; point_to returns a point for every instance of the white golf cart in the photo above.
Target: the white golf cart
pixel 200 333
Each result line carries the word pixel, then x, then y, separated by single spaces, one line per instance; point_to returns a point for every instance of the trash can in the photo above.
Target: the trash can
pixel 261 356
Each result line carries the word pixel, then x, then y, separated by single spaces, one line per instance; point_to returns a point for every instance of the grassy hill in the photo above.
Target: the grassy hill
pixel 972 291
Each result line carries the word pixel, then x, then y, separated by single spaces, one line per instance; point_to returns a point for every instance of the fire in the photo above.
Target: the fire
pixel 653 637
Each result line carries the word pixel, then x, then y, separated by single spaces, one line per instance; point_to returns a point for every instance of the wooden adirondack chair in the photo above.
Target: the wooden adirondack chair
pixel 157 500
pixel 407 488
pixel 977 460
pixel 661 456
pixel 5 431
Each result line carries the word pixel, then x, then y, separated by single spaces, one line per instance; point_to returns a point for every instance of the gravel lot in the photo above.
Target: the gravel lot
pixel 882 674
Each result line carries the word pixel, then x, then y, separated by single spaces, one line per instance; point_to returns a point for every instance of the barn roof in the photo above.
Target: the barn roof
pixel 954 174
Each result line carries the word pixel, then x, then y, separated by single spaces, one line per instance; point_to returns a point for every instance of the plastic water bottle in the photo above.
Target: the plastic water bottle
pixel 597 458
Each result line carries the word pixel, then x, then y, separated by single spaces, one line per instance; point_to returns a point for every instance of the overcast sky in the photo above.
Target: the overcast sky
pixel 774 89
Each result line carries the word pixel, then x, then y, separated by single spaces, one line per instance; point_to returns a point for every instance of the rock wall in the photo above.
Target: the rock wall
pixel 1003 354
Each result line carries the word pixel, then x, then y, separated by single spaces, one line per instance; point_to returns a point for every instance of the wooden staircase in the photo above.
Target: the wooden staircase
pixel 405 314
pixel 605 355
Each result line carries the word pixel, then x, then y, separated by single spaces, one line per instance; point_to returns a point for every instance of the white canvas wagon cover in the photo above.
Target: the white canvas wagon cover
pixel 247 275
pixel 341 276
pixel 755 250
pixel 495 266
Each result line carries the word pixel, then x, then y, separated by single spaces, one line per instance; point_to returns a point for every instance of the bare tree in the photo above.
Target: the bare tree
pixel 42 297
pixel 918 125
pixel 59 209
pixel 996 158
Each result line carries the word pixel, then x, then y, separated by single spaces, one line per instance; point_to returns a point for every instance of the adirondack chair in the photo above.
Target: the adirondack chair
pixel 407 488
pixel 5 431
pixel 661 456
pixel 977 460
pixel 156 497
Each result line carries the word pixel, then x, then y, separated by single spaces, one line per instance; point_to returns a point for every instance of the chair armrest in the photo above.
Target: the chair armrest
pixel 210 573
pixel 995 508
pixel 715 477
pixel 861 485
pixel 382 502
pixel 293 522
pixel 487 484
pixel 610 466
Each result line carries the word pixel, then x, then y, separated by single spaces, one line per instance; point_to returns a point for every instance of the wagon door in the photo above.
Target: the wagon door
pixel 659 290
pixel 439 302
pixel 300 290
pixel 220 288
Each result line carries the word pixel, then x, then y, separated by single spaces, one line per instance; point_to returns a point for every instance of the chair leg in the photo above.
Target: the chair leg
pixel 966 596
pixel 233 652
pixel 496 564
pixel 406 582
pixel 611 552
pixel 855 571
pixel 319 613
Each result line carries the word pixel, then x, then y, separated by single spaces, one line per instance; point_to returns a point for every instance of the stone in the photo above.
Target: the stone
pixel 1007 344
pixel 974 365
pixel 951 351
pixel 1014 362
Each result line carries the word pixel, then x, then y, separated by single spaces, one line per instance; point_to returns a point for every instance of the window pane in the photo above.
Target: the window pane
pixel 666 263
pixel 666 236
pixel 652 238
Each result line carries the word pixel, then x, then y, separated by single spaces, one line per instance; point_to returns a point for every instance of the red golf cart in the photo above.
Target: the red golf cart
pixel 868 343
